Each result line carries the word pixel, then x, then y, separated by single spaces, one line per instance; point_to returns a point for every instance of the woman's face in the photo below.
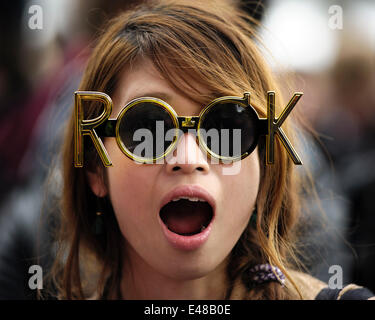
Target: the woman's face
pixel 139 191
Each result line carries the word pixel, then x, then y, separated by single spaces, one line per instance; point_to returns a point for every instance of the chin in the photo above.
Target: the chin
pixel 187 273
pixel 191 267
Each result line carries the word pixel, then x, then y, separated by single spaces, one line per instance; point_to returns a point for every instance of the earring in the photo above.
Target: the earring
pixel 98 223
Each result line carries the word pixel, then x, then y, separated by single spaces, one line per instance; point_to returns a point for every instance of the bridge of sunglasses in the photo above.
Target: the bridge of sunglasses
pixel 186 123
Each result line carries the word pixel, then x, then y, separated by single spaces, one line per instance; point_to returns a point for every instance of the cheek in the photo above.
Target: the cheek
pixel 130 189
pixel 241 189
pixel 126 182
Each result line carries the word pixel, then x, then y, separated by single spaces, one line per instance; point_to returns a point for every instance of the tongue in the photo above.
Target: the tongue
pixel 186 217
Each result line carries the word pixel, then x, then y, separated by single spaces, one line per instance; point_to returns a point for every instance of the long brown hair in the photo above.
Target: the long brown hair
pixel 210 44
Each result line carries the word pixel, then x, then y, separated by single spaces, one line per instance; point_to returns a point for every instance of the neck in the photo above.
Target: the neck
pixel 140 281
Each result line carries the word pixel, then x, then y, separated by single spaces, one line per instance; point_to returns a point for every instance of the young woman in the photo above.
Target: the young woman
pixel 186 227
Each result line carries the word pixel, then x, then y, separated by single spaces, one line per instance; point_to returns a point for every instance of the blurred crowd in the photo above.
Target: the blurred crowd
pixel 41 68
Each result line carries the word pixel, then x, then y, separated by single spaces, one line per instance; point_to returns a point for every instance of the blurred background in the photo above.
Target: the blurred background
pixel 326 48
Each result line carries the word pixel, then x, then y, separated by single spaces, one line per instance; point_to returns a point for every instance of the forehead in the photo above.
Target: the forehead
pixel 143 79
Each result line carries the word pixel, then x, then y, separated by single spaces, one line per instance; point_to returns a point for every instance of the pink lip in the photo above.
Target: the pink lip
pixel 188 242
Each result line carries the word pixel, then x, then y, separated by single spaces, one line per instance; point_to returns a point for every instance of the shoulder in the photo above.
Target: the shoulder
pixel 314 289
pixel 308 286
pixel 349 292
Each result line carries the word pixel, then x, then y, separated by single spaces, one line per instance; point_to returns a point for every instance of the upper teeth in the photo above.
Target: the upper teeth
pixel 189 198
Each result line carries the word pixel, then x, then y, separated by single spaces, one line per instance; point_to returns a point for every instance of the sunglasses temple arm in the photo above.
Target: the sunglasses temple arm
pixel 107 129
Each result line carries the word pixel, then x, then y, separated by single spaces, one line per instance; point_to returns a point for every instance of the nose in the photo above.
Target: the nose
pixel 187 157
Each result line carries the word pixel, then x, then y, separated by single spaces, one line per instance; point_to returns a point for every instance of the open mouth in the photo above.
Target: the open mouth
pixel 186 216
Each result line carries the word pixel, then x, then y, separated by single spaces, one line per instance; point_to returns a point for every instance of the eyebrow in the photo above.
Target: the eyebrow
pixel 155 94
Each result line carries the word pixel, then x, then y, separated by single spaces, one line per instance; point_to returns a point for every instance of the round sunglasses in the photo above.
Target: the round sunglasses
pixel 147 129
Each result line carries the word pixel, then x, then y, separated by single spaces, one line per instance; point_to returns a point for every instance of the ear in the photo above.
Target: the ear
pixel 96 182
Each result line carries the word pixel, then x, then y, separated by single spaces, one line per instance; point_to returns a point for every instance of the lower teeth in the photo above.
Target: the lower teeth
pixel 189 234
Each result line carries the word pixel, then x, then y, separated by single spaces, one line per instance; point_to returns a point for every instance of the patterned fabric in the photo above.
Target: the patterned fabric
pixel 262 273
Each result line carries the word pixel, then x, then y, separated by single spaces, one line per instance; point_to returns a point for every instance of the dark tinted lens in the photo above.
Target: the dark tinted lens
pixel 229 129
pixel 143 128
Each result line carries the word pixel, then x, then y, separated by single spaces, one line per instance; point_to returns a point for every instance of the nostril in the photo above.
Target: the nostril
pixel 176 168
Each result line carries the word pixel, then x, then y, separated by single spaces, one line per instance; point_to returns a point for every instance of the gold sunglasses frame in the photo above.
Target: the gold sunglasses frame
pixel 104 127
